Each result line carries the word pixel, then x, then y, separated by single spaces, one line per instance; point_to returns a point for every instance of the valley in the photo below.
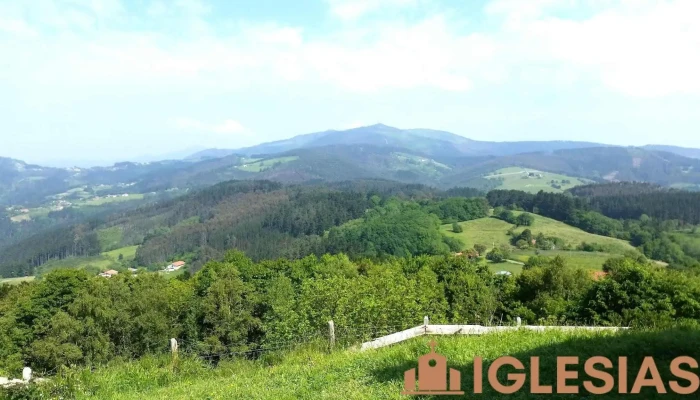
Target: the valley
pixel 372 228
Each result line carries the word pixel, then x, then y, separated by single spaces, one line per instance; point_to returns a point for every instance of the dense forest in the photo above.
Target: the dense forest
pixel 372 218
pixel 70 318
pixel 627 200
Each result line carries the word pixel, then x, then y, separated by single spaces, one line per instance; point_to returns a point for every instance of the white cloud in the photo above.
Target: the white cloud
pixel 353 9
pixel 17 28
pixel 226 127
pixel 638 47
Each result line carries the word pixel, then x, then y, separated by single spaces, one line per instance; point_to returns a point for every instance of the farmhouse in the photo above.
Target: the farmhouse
pixel 109 273
pixel 175 266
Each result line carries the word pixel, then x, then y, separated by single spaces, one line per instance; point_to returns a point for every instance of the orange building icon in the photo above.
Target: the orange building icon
pixel 432 376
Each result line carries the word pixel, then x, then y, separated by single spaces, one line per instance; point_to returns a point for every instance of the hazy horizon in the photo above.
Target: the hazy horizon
pixel 113 80
pixel 185 152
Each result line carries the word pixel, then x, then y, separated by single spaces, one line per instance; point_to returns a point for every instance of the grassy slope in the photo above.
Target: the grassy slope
pixel 17 281
pixel 128 252
pixel 109 238
pixel 97 263
pixel 378 374
pixel 513 179
pixel 259 166
pixel 103 200
pixel 490 231
pixel 106 260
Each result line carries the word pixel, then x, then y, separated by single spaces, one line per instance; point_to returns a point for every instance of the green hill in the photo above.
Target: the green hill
pixel 532 180
pixel 494 232
pixel 490 231
pixel 375 374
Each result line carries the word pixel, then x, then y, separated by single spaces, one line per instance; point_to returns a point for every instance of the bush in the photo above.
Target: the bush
pixel 480 248
pixel 457 228
pixel 496 255
pixel 525 219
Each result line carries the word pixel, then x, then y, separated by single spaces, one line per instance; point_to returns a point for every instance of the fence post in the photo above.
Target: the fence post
pixel 331 333
pixel 426 321
pixel 518 321
pixel 173 350
pixel 27 374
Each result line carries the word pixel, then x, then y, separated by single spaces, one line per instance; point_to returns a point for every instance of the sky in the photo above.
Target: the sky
pixel 99 81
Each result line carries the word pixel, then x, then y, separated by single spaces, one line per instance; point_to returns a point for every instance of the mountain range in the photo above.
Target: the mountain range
pixel 426 142
pixel 432 157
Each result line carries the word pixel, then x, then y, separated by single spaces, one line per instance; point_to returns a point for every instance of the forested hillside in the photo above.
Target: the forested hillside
pixel 363 219
pixel 433 158
pixel 262 218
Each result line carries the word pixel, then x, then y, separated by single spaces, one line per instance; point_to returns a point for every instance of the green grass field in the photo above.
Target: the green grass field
pixel 105 200
pixel 16 281
pixel 261 165
pixel 105 261
pixel 516 178
pixel 173 274
pixel 109 238
pixel 486 231
pixel 129 253
pixel 513 268
pixel 33 213
pixel 578 259
pixel 492 231
pixel 311 373
pixel 94 264
pixel 572 235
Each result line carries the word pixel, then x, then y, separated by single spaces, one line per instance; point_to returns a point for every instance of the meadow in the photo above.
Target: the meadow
pixel 516 178
pixel 128 253
pixel 261 165
pixel 16 281
pixel 104 200
pixel 311 372
pixel 491 231
pixel 94 264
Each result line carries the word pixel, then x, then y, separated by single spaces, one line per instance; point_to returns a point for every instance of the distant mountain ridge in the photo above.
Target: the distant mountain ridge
pixel 425 156
pixel 429 142
pixel 681 151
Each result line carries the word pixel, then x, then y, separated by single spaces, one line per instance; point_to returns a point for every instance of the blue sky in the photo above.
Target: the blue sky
pixel 108 80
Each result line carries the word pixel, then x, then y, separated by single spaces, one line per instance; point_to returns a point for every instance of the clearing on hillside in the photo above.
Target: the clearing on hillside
pixel 262 165
pixel 491 231
pixel 16 281
pixel 532 180
pixel 379 374
pixel 494 232
pixel 128 253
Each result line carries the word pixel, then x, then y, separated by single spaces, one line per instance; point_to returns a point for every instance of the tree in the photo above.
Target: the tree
pixel 526 235
pixel 121 257
pixel 525 219
pixel 480 248
pixel 496 255
pixel 457 228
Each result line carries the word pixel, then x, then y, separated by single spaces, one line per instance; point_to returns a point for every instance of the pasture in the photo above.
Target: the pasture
pixel 262 165
pixel 532 180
